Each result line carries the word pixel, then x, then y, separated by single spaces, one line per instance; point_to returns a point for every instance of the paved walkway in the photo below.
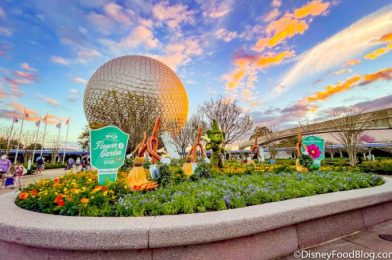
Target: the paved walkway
pixel 47 174
pixel 364 244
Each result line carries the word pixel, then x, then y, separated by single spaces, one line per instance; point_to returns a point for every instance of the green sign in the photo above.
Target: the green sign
pixel 314 146
pixel 108 146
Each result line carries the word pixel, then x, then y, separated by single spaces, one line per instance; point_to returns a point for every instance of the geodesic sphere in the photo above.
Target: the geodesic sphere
pixel 143 76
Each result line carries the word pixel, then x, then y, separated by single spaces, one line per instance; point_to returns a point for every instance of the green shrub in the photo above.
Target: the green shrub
pixel 305 160
pixel 379 167
pixel 203 170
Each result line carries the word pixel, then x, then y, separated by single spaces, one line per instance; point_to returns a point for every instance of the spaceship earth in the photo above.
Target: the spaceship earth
pixel 143 76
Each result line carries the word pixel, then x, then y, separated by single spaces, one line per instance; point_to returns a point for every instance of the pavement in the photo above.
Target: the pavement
pixel 28 179
pixel 364 244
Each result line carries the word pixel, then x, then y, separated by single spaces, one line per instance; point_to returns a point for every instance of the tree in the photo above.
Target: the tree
pixel 231 119
pixel 331 148
pixel 349 128
pixel 84 139
pixel 269 133
pixel 133 113
pixel 183 137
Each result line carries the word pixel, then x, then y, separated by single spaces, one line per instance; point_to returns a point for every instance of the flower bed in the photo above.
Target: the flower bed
pixel 79 194
pixel 380 167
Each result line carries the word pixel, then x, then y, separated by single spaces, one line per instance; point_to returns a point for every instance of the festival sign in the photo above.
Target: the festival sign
pixel 108 147
pixel 315 148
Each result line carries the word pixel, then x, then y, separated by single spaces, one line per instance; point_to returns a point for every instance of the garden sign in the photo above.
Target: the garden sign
pixel 108 146
pixel 315 148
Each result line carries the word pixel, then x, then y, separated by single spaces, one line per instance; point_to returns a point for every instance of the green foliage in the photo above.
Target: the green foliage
pixel 203 170
pixel 128 164
pixel 165 175
pixel 380 167
pixel 147 163
pixel 252 185
pixel 305 160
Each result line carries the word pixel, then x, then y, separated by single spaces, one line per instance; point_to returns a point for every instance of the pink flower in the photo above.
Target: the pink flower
pixel 313 151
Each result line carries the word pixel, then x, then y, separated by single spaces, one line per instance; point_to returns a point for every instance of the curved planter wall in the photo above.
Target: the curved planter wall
pixel 257 232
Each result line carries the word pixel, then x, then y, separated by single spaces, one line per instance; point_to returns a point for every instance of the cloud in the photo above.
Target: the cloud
pixel 26 66
pixel 366 106
pixel 73 95
pixel 314 8
pixel 5 31
pixel 215 9
pixel 339 48
pixel 85 55
pixel 118 14
pixel 317 81
pixel 279 30
pixel 172 15
pixel 274 13
pixel 247 66
pixel 334 89
pixel 50 101
pixel 225 35
pixel 141 35
pixel 289 25
pixel 24 77
pixel 3 16
pixel 60 60
pixel 18 111
pixel 340 72
pixel 357 80
pixel 2 93
pixel 79 80
pixel 385 38
pixel 378 52
pixel 102 23
pixel 276 3
pixel 384 74
pixel 180 53
pixel 352 62
pixel 246 94
pixel 280 116
pixel 53 119
pixel 15 90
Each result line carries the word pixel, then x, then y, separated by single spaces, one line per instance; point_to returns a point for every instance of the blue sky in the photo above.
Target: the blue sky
pixel 283 60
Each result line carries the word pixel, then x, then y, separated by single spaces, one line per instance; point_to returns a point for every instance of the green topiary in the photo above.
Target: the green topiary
pixel 306 161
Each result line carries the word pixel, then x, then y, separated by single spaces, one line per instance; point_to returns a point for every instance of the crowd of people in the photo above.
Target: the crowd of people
pixel 10 174
pixel 83 162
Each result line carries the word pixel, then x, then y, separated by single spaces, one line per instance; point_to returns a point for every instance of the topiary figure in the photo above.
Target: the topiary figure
pixel 215 139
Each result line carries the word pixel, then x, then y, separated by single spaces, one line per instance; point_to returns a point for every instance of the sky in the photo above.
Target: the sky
pixel 283 60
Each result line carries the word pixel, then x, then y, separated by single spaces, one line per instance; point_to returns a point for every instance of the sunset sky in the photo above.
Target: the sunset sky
pixel 284 60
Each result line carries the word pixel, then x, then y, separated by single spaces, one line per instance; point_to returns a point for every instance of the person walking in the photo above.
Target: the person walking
pixel 77 163
pixel 40 164
pixel 71 163
pixel 19 169
pixel 5 166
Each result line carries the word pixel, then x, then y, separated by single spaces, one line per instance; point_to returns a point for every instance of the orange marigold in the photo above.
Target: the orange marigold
pixel 34 193
pixel 23 195
pixel 84 201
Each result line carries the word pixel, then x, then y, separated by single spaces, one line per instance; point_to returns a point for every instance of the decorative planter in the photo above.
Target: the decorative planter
pixel 257 232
